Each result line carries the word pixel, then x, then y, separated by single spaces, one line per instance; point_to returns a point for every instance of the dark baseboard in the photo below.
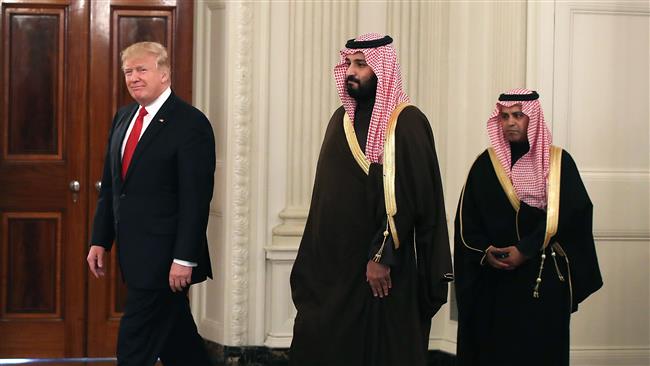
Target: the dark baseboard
pixel 247 356
pixel 439 358
pixel 264 356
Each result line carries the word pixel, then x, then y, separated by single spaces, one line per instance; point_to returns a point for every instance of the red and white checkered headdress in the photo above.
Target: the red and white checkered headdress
pixel 530 173
pixel 383 62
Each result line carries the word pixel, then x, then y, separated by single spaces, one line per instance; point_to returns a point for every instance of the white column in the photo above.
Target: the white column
pixel 224 53
pixel 487 55
pixel 316 31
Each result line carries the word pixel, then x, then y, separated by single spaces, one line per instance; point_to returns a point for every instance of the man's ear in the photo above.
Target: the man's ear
pixel 165 75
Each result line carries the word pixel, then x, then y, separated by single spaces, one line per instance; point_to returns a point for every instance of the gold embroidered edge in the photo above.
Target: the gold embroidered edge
pixel 353 143
pixel 505 182
pixel 460 214
pixel 389 171
pixel 553 206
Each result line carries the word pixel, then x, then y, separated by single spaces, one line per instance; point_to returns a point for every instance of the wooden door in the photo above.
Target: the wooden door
pixel 43 124
pixel 115 25
pixel 60 86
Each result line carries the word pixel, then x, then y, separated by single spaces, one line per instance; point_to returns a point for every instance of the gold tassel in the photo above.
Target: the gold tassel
pixel 377 256
pixel 538 281
pixel 557 268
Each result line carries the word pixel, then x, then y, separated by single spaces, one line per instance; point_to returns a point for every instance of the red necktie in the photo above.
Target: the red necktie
pixel 134 136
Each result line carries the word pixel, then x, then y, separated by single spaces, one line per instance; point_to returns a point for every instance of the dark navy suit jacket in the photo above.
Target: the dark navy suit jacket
pixel 159 212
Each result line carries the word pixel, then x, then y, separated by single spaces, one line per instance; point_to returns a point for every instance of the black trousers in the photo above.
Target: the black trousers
pixel 158 323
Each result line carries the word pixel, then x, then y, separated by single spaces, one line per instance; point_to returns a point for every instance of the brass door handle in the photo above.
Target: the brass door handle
pixel 74 186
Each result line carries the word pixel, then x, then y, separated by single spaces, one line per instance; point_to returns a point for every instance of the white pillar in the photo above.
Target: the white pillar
pixel 316 33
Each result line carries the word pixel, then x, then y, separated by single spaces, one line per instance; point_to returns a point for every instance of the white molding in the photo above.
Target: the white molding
pixel 563 20
pixel 278 340
pixel 202 95
pixel 260 170
pixel 210 329
pixel 443 344
pixel 230 95
pixel 616 174
pixel 621 235
pixel 290 232
pixel 540 52
pixel 280 309
pixel 281 253
pixel 610 356
pixel 239 146
pixel 579 356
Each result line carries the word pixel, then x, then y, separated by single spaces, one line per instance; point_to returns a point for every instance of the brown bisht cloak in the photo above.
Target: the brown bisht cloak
pixel 500 321
pixel 339 322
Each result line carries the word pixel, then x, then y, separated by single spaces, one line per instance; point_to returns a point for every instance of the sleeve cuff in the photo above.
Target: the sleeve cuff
pixel 185 263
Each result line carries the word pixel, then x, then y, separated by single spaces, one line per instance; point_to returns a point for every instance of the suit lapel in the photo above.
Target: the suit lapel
pixel 157 124
pixel 120 135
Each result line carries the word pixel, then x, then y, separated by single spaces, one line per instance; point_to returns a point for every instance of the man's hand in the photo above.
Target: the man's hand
pixel 180 276
pixel 378 277
pixel 507 258
pixel 96 260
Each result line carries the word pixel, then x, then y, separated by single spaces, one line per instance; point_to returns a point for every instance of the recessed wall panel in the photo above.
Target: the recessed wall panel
pixel 34 84
pixel 621 204
pixel 609 74
pixel 617 316
pixel 133 26
pixel 32 265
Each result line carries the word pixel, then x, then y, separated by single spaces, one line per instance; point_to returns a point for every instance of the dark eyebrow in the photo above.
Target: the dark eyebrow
pixel 356 61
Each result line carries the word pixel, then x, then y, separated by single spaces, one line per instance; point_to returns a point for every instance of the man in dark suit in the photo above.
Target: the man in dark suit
pixel 154 202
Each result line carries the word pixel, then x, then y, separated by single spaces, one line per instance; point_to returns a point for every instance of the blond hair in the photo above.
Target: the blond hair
pixel 152 48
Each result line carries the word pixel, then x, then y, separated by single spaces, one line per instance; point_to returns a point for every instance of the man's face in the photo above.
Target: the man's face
pixel 361 81
pixel 514 123
pixel 144 79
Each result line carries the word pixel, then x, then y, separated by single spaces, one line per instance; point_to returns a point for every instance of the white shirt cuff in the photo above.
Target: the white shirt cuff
pixel 185 263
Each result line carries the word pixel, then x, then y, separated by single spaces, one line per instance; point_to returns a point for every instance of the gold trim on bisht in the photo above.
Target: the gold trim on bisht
pixel 358 154
pixel 553 203
pixel 462 236
pixel 553 200
pixel 552 215
pixel 389 171
pixel 506 184
pixel 389 163
pixel 552 207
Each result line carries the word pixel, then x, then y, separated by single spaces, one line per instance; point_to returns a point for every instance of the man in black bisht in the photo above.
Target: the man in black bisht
pixel 374 261
pixel 524 250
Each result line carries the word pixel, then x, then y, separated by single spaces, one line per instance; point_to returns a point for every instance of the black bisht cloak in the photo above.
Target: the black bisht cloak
pixel 500 322
pixel 339 322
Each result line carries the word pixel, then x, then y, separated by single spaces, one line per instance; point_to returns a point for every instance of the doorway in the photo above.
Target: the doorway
pixel 60 87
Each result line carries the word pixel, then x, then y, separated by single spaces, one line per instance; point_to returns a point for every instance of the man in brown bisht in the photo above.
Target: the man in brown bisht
pixel 374 261
pixel 524 248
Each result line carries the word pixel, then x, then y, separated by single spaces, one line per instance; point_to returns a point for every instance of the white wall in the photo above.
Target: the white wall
pixel 599 107
pixel 263 75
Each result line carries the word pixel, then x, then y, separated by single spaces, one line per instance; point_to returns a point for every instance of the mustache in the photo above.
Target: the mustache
pixel 352 78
